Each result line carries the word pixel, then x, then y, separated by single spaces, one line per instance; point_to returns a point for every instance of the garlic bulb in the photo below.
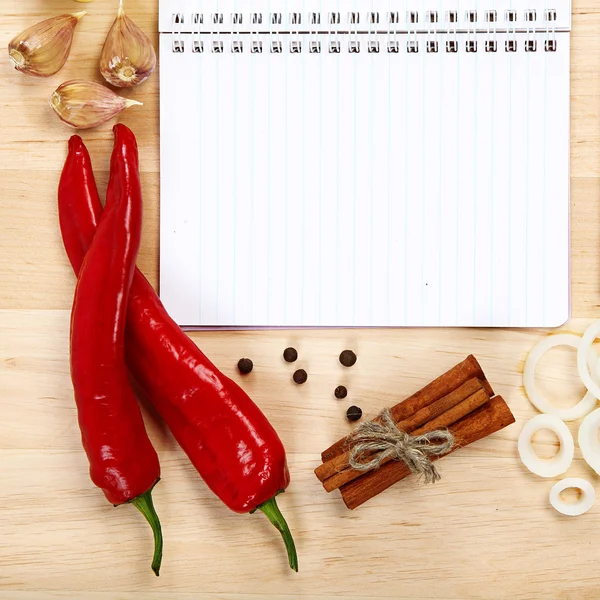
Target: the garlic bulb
pixel 86 104
pixel 42 49
pixel 128 57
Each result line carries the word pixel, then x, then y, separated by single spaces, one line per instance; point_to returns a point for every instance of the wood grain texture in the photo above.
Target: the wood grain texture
pixel 500 534
pixel 486 529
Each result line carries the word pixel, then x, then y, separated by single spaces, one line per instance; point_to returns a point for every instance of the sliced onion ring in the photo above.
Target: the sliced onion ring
pixel 564 457
pixel 588 440
pixel 588 496
pixel 586 404
pixel 583 353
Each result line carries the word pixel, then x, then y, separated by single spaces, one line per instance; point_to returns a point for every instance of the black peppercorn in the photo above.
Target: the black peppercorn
pixel 290 355
pixel 354 413
pixel 348 358
pixel 340 392
pixel 300 376
pixel 245 365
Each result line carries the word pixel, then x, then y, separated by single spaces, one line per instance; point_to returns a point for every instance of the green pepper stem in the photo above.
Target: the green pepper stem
pixel 145 505
pixel 272 512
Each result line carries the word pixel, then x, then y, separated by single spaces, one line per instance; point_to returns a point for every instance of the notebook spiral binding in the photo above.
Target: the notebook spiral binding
pixel 375 33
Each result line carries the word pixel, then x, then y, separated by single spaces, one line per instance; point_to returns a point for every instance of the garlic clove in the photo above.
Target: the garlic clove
pixel 128 57
pixel 86 104
pixel 42 49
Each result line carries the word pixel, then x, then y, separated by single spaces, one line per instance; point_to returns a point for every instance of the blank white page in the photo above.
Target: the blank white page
pixel 305 186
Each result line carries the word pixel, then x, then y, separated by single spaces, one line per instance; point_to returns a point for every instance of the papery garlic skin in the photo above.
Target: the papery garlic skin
pixel 86 104
pixel 128 57
pixel 42 49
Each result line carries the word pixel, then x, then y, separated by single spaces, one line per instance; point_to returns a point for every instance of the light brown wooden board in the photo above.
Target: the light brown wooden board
pixel 499 533
pixel 487 529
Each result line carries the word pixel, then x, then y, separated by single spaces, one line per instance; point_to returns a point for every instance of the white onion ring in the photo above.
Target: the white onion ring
pixel 583 353
pixel 586 404
pixel 588 440
pixel 596 370
pixel 588 496
pixel 556 465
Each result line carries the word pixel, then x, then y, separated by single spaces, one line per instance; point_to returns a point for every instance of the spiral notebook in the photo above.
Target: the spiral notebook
pixel 364 163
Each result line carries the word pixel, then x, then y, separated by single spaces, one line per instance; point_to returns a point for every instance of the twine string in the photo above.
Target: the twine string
pixel 381 440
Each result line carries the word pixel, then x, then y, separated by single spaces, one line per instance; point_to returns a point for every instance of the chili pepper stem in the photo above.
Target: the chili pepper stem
pixel 145 505
pixel 272 512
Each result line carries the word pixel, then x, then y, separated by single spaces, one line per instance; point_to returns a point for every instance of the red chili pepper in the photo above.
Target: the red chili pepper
pixel 123 462
pixel 228 439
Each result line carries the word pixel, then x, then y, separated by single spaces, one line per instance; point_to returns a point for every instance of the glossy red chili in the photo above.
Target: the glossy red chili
pixel 123 462
pixel 228 439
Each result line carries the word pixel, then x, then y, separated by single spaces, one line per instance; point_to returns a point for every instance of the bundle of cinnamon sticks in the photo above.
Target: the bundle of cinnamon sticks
pixel 461 400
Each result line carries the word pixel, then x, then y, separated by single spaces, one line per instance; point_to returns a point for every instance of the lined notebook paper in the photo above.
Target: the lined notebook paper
pixel 364 163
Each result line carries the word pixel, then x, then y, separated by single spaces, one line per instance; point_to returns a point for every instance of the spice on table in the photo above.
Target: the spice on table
pixel 354 413
pixel 348 358
pixel 245 366
pixel 86 104
pixel 42 49
pixel 127 57
pixel 290 355
pixel 461 395
pixel 300 376
pixel 123 462
pixel 374 443
pixel 491 417
pixel 450 382
pixel 340 392
pixel 187 390
pixel 440 414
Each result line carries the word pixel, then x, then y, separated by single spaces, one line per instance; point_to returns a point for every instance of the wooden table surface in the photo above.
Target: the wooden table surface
pixel 485 531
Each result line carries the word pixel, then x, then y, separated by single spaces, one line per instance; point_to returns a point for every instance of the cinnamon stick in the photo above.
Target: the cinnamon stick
pixel 438 388
pixel 493 416
pixel 454 414
pixel 468 405
pixel 338 463
pixel 439 407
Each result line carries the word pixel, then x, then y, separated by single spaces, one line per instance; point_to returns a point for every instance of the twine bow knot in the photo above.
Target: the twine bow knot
pixel 382 440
